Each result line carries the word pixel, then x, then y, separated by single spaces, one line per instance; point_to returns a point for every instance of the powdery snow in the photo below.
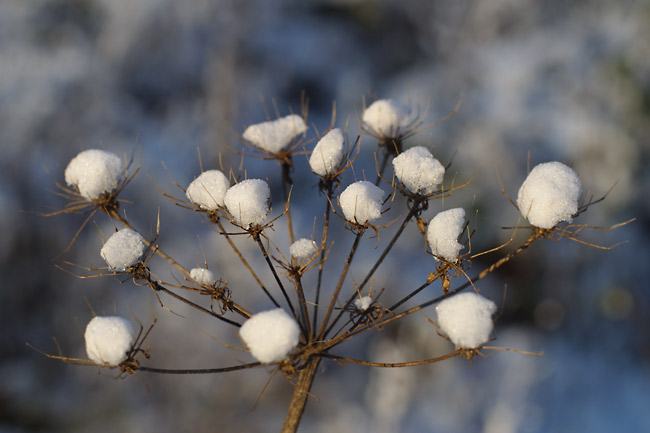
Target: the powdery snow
pixel 361 202
pixel 387 117
pixel 466 319
pixel 108 339
pixel 363 303
pixel 208 190
pixel 270 335
pixel 418 170
pixel 303 249
pixel 94 172
pixel 248 202
pixel 203 276
pixel 275 135
pixel 443 233
pixel 328 153
pixel 123 249
pixel 549 195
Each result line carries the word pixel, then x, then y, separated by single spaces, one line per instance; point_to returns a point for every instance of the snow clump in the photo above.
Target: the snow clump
pixel 203 276
pixel 549 195
pixel 443 233
pixel 248 202
pixel 123 249
pixel 328 153
pixel 208 190
pixel 363 303
pixel 94 172
pixel 466 319
pixel 303 249
pixel 361 202
pixel 418 170
pixel 275 135
pixel 108 339
pixel 270 335
pixel 386 117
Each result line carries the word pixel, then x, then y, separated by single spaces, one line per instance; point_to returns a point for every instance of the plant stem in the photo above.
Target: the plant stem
pixel 300 396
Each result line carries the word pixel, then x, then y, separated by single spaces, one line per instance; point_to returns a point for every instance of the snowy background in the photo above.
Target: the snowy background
pixel 567 81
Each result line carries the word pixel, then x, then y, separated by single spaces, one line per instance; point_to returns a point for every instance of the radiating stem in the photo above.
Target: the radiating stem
pixel 326 224
pixel 258 240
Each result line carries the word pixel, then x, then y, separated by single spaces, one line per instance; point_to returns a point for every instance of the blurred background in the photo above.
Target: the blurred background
pixel 541 81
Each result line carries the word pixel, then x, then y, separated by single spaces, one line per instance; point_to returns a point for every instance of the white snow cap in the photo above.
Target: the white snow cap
pixel 123 249
pixel 208 190
pixel 418 170
pixel 275 135
pixel 466 319
pixel 108 339
pixel 443 233
pixel 385 117
pixel 203 276
pixel 94 172
pixel 248 202
pixel 270 335
pixel 303 249
pixel 363 303
pixel 361 202
pixel 549 195
pixel 328 153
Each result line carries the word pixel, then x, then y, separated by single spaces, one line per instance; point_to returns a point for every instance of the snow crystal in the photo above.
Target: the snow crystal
pixel 270 335
pixel 466 319
pixel 303 249
pixel 386 117
pixel 203 276
pixel 363 303
pixel 443 233
pixel 208 190
pixel 248 202
pixel 94 172
pixel 549 195
pixel 418 170
pixel 361 202
pixel 108 339
pixel 328 153
pixel 275 135
pixel 123 249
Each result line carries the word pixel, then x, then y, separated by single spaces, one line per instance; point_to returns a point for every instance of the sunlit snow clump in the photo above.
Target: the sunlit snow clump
pixel 208 190
pixel 94 172
pixel 123 249
pixel 108 339
pixel 270 335
pixel 248 202
pixel 328 153
pixel 203 276
pixel 387 117
pixel 466 319
pixel 418 170
pixel 275 135
pixel 303 249
pixel 361 202
pixel 443 233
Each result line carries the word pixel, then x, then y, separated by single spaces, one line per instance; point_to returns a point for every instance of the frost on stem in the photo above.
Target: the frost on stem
pixel 549 195
pixel 203 276
pixel 418 170
pixel 94 172
pixel 108 340
pixel 270 335
pixel 466 319
pixel 328 153
pixel 273 136
pixel 303 249
pixel 208 190
pixel 248 202
pixel 387 118
pixel 361 202
pixel 123 249
pixel 443 233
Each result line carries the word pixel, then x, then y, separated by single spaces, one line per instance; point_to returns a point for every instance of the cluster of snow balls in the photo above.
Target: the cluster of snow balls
pixel 123 249
pixel 303 249
pixel 270 335
pixel 549 195
pixel 385 117
pixel 108 339
pixel 363 303
pixel 328 153
pixel 443 232
pixel 361 202
pixel 94 172
pixel 418 170
pixel 248 202
pixel 208 189
pixel 466 319
pixel 203 276
pixel 275 135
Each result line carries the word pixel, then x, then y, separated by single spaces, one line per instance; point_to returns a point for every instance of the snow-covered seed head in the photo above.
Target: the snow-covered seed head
pixel 549 195
pixel 270 335
pixel 108 339
pixel 208 190
pixel 443 233
pixel 466 319
pixel 94 172
pixel 418 170
pixel 387 118
pixel 361 202
pixel 275 135
pixel 123 249
pixel 303 249
pixel 203 276
pixel 363 303
pixel 328 153
pixel 248 202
